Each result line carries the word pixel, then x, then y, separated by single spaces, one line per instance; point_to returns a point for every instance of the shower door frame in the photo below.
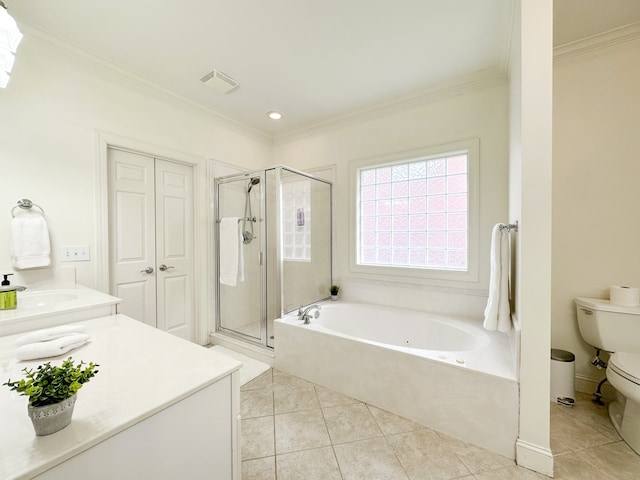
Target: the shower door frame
pixel 264 257
pixel 263 268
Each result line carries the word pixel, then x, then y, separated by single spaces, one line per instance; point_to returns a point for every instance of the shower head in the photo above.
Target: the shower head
pixel 252 182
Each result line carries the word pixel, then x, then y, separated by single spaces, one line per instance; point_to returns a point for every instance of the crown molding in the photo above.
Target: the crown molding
pixel 106 69
pixel 597 42
pixel 476 81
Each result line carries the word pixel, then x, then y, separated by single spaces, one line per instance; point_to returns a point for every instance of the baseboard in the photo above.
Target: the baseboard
pixel 258 353
pixel 589 385
pixel 534 457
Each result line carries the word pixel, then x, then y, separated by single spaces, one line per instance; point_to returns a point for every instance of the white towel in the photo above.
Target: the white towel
pixel 47 334
pixel 52 348
pixel 30 247
pixel 497 314
pixel 231 254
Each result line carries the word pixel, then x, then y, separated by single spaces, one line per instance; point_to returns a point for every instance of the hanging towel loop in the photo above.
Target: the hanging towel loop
pixel 509 226
pixel 25 204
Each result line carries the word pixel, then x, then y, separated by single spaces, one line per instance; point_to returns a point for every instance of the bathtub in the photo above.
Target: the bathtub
pixel 445 373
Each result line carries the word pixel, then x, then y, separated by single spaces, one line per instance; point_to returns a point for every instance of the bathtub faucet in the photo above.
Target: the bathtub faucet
pixel 305 316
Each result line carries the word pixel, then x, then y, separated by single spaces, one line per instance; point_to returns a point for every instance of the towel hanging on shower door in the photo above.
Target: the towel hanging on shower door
pixel 497 314
pixel 231 254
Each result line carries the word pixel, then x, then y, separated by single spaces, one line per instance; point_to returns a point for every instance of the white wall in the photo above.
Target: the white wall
pixel 49 115
pixel 596 227
pixel 476 112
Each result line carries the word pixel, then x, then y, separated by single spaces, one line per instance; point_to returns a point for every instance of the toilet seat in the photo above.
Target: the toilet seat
pixel 626 365
pixel 623 372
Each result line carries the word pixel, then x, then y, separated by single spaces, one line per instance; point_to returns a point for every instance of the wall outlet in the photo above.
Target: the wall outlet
pixel 74 253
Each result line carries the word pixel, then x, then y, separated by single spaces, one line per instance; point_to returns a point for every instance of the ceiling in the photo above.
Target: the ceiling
pixel 312 61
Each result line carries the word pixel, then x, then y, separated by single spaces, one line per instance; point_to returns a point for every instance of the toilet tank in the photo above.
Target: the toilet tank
pixel 609 327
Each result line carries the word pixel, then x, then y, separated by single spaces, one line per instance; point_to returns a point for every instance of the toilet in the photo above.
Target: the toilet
pixel 617 329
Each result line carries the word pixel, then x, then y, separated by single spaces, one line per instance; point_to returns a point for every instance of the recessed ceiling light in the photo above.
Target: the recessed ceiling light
pixel 274 115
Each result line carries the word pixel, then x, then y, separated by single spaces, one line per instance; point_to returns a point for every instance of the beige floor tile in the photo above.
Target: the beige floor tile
pixel 391 424
pixel 590 414
pixel 425 456
pixel 348 423
pixel 371 459
pixel 476 459
pixel 314 464
pixel 282 379
pixel 259 469
pixel 571 466
pixel 617 459
pixel 331 398
pixel 263 381
pixel 569 434
pixel 511 473
pixel 295 398
pixel 257 438
pixel 256 403
pixel 300 431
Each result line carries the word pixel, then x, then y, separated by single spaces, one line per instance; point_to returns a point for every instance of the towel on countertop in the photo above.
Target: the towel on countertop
pixel 231 254
pixel 30 247
pixel 497 314
pixel 52 348
pixel 47 334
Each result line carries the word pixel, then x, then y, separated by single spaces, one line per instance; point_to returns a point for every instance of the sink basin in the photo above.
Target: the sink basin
pixel 44 299
pixel 45 308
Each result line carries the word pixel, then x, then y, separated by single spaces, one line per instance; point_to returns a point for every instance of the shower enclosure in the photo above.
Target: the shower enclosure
pixel 273 238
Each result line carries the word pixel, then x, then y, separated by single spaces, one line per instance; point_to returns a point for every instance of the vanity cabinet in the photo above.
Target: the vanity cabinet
pixel 160 407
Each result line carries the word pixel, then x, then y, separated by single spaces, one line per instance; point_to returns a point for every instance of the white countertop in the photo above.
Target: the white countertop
pixel 42 308
pixel 142 371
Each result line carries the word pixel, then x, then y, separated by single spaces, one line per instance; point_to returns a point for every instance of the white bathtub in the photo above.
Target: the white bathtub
pixel 445 373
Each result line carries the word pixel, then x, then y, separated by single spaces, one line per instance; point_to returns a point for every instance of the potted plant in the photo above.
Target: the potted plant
pixel 334 291
pixel 52 392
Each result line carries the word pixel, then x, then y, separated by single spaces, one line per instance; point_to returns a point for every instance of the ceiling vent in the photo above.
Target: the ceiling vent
pixel 220 82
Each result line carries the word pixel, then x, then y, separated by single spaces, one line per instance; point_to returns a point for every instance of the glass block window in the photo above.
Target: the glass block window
pixel 296 220
pixel 415 213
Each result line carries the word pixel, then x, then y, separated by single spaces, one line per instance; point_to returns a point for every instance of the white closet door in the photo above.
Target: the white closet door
pixel 132 255
pixel 151 240
pixel 174 248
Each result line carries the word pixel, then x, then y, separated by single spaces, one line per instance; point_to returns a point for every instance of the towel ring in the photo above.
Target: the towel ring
pixel 25 204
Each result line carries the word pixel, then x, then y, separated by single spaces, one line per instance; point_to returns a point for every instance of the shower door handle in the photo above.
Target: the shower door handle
pixel 147 270
pixel 164 268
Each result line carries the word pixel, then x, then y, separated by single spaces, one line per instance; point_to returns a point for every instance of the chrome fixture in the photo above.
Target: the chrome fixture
pixel 147 270
pixel 10 38
pixel 25 204
pixel 305 316
pixel 509 226
pixel 164 268
pixel 247 233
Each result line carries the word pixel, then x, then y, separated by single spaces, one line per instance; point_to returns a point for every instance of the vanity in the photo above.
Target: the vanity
pixel 160 407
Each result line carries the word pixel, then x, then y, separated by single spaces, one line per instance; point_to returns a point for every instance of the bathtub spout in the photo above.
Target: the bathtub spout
pixel 305 316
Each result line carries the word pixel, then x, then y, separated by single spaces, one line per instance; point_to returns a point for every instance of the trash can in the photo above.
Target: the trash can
pixel 563 367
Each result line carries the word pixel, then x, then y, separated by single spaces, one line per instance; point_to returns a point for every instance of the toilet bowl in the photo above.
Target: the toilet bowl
pixel 623 372
pixel 616 329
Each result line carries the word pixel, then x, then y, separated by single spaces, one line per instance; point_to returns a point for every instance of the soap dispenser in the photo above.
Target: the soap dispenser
pixel 8 296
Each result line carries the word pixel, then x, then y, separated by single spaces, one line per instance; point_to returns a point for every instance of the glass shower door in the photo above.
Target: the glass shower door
pixel 239 229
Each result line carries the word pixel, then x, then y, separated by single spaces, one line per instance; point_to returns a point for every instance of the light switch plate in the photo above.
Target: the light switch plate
pixel 74 253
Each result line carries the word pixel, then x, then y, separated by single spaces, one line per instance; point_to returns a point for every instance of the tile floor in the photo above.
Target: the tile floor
pixel 295 430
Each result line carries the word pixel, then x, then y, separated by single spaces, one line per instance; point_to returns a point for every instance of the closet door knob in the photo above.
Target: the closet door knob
pixel 147 270
pixel 164 268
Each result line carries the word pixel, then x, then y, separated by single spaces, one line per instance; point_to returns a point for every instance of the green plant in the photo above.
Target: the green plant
pixel 51 384
pixel 334 289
